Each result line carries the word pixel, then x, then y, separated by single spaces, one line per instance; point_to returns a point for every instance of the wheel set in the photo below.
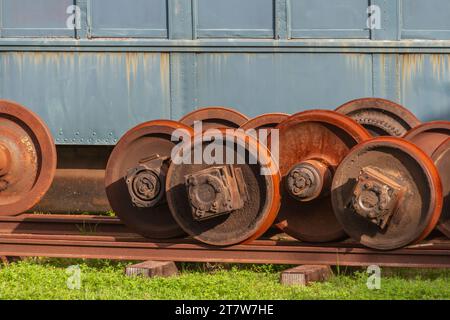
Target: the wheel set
pixel 369 170
pixel 27 158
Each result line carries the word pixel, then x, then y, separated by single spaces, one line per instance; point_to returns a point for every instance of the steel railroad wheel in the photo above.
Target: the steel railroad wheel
pixel 135 178
pixel 215 117
pixel 380 116
pixel 387 193
pixel 312 144
pixel 265 121
pixel 224 201
pixel 432 137
pixel 27 158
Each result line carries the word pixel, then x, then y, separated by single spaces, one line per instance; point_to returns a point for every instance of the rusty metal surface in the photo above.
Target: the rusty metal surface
pixel 312 144
pixel 137 151
pixel 430 254
pixel 79 183
pixel 58 236
pixel 265 121
pixel 441 158
pixel 387 193
pixel 215 117
pixel 27 158
pixel 380 116
pixel 251 198
pixel 432 137
pixel 56 224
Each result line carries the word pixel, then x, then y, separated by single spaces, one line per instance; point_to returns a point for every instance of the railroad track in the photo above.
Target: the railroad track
pixel 61 236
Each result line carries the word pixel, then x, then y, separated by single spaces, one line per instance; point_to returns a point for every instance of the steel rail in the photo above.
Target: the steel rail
pixel 432 254
pixel 61 224
pixel 95 237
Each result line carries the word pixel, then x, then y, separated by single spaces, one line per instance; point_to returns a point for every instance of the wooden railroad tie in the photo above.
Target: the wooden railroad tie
pixel 306 274
pixel 151 269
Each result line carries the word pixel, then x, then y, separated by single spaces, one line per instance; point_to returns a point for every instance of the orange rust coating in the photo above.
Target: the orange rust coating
pixel 429 135
pixel 274 181
pixel 266 120
pixel 233 117
pixel 382 104
pixel 5 160
pixel 45 156
pixel 325 116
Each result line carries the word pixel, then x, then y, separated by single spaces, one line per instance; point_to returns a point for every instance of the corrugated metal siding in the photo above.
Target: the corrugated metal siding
pixel 133 61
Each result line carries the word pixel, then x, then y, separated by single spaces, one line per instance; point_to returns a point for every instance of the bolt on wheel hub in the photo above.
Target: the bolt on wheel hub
pixel 144 186
pixel 215 191
pixel 309 179
pixel 376 196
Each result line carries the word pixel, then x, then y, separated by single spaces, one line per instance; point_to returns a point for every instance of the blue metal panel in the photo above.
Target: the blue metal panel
pixel 425 85
pixel 259 83
pixel 88 98
pixel 35 18
pixel 329 19
pixel 92 90
pixel 180 19
pixel 428 19
pixel 234 18
pixel 119 18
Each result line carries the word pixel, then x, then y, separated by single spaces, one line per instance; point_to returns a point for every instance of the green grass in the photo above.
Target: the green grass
pixel 46 279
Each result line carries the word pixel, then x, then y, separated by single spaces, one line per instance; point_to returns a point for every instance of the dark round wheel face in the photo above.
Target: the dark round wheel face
pixel 432 138
pixel 441 158
pixel 387 194
pixel 135 178
pixel 309 138
pixel 265 121
pixel 380 116
pixel 27 158
pixel 215 117
pixel 225 202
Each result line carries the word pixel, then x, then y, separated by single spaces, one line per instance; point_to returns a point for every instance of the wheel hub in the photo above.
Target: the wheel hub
pixel 145 182
pixel 307 180
pixel 215 191
pixel 376 196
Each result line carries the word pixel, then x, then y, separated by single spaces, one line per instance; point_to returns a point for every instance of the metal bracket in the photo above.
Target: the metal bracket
pixel 216 191
pixel 376 196
pixel 146 181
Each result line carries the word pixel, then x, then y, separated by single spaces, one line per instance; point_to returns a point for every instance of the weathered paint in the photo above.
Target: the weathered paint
pixel 257 56
pixel 88 98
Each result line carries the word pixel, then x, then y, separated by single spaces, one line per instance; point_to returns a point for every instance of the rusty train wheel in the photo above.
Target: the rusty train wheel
pixel 265 121
pixel 380 116
pixel 225 204
pixel 312 144
pixel 135 178
pixel 27 158
pixel 432 137
pixel 387 193
pixel 215 117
